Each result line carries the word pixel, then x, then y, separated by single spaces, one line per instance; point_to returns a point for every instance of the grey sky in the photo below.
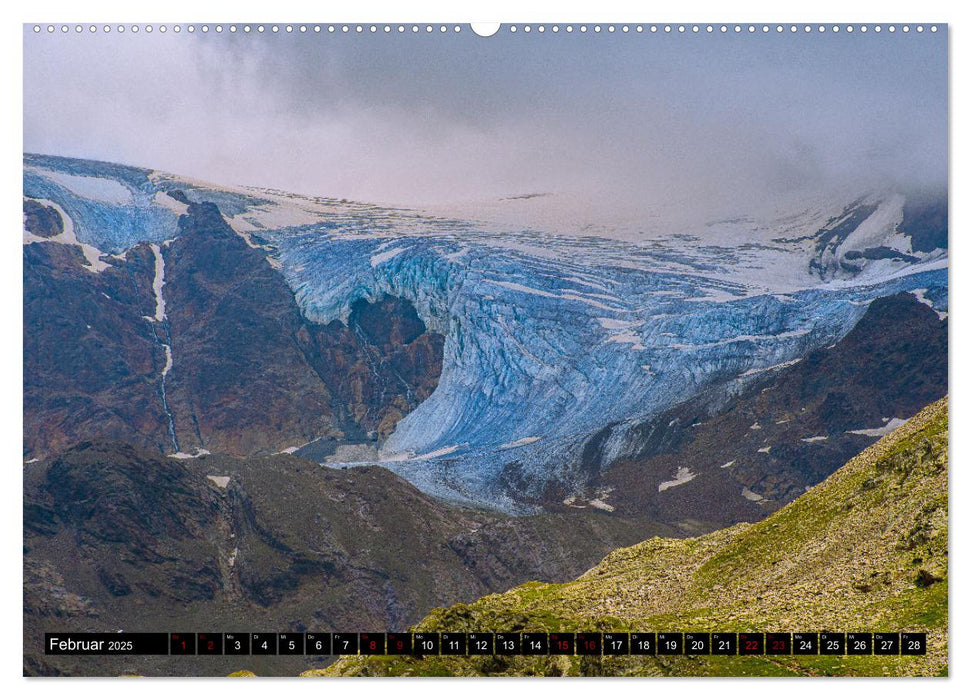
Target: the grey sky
pixel 634 121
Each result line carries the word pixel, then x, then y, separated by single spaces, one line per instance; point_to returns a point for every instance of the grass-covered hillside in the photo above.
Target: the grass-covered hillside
pixel 866 550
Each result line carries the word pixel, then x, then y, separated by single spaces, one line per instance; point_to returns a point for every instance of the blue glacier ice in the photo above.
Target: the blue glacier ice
pixel 549 338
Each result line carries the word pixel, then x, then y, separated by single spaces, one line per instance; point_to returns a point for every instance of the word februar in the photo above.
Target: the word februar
pixel 72 645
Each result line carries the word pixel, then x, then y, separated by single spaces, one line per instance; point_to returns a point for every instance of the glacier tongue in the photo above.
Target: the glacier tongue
pixel 550 339
pixel 548 336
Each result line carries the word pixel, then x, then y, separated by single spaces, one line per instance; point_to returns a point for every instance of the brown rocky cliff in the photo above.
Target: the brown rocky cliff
pixel 239 382
pixel 380 366
pixel 90 361
pixel 249 373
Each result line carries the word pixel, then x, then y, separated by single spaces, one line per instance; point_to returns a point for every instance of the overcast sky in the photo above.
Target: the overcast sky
pixel 633 121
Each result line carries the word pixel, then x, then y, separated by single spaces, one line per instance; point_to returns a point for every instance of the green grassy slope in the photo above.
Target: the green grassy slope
pixel 866 550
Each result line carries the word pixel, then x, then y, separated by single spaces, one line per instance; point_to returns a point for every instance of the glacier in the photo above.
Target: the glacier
pixel 550 339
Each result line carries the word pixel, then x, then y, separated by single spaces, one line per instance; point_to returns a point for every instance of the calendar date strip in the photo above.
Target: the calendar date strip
pixel 484 643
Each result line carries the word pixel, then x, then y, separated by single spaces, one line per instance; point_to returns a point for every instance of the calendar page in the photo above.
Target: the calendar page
pixel 543 349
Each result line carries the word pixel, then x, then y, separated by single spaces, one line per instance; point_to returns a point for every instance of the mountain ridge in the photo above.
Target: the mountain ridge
pixel 547 339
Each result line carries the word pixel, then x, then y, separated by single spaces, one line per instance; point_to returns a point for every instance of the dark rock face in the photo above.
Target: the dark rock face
pixel 90 362
pixel 178 196
pixel 788 430
pixel 880 253
pixel 137 523
pixel 41 220
pixel 249 374
pixel 379 367
pixel 925 221
pixel 117 537
pixel 239 382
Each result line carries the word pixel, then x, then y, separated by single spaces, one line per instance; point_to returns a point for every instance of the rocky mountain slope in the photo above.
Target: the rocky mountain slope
pixel 866 550
pixel 120 538
pixel 197 344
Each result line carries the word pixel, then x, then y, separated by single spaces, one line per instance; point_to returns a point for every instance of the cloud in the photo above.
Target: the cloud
pixel 708 123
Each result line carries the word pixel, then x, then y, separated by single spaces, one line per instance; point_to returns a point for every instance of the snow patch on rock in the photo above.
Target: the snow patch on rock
pixel 68 237
pixel 751 495
pixel 920 294
pixel 164 199
pixel 891 425
pixel 158 282
pixel 602 505
pixel 683 476
pixel 187 455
